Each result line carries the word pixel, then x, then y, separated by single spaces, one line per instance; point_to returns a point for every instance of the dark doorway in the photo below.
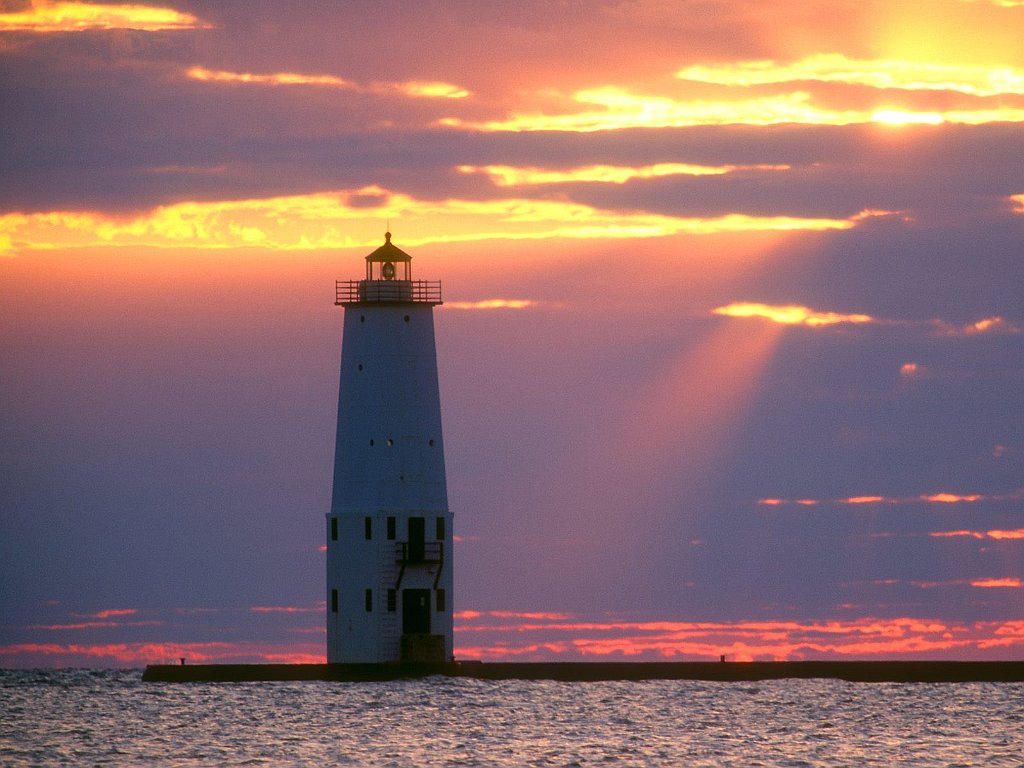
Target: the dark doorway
pixel 417 538
pixel 415 611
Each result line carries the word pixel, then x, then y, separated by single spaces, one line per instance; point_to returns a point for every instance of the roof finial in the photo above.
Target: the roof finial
pixel 387 234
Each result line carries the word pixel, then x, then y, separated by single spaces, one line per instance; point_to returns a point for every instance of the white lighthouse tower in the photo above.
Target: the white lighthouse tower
pixel 389 531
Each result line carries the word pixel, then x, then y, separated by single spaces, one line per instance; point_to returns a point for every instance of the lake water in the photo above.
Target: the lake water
pixel 110 717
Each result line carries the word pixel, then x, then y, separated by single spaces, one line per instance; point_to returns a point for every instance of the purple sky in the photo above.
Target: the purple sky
pixel 731 355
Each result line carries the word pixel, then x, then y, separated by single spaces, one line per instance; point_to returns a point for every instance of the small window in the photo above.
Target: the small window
pixel 369 600
pixel 390 442
pixel 441 608
pixel 334 601
pixel 430 443
pixel 368 528
pixel 439 529
pixel 406 318
pixel 391 529
pixel 334 529
pixel 359 367
pixel 392 600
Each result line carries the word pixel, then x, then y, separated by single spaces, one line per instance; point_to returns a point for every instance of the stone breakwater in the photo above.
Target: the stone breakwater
pixel 854 671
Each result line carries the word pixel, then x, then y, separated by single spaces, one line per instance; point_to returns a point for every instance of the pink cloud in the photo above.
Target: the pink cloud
pixel 653 640
pixel 93 625
pixel 286 609
pixel 140 654
pixel 537 636
pixel 1017 533
pixel 943 497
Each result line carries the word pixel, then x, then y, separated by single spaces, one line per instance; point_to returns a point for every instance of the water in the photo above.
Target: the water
pixel 107 717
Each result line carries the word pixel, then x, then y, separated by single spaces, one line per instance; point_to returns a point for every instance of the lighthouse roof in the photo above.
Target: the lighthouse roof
pixel 389 252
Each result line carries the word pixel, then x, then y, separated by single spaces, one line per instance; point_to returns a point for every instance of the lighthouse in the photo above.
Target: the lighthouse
pixel 389 530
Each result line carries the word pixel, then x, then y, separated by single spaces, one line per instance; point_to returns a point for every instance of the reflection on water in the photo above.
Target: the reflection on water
pixel 110 717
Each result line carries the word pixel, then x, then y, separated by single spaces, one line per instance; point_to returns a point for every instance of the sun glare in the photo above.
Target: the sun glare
pixel 900 117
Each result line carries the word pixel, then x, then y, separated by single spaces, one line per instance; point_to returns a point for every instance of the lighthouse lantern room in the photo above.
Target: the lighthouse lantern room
pixel 389 530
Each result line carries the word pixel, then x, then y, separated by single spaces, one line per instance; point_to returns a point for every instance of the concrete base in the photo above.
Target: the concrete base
pixel 856 671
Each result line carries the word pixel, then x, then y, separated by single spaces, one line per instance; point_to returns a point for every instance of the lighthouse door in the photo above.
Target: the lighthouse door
pixel 415 611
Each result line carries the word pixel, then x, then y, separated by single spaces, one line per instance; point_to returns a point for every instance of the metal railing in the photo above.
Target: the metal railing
pixel 428 553
pixel 422 553
pixel 387 291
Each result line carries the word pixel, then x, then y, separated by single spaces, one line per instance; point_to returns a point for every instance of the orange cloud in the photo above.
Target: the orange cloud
pixel 511 176
pixel 492 304
pixel 616 108
pixel 430 90
pixel 982 583
pixel 612 108
pixel 329 219
pixel 933 498
pixel 996 534
pixel 279 78
pixel 790 314
pixel 908 370
pixel 952 498
pixel 954 534
pixel 998 583
pixel 1014 534
pixel 986 325
pixel 413 89
pixel 42 16
pixel 795 314
pixel 876 73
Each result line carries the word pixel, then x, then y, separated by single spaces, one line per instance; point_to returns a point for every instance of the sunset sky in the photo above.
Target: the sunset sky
pixel 731 354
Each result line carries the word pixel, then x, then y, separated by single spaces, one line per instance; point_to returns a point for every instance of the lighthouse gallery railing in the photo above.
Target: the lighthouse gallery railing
pixel 372 291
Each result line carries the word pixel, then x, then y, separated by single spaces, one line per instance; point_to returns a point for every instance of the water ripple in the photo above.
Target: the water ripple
pixel 72 717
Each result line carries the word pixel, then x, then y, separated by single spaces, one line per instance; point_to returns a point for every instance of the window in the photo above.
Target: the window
pixel 440 601
pixel 368 528
pixel 334 601
pixel 391 529
pixel 369 600
pixel 439 529
pixel 334 529
pixel 392 601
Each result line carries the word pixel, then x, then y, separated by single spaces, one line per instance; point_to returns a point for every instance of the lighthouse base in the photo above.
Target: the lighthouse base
pixel 423 649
